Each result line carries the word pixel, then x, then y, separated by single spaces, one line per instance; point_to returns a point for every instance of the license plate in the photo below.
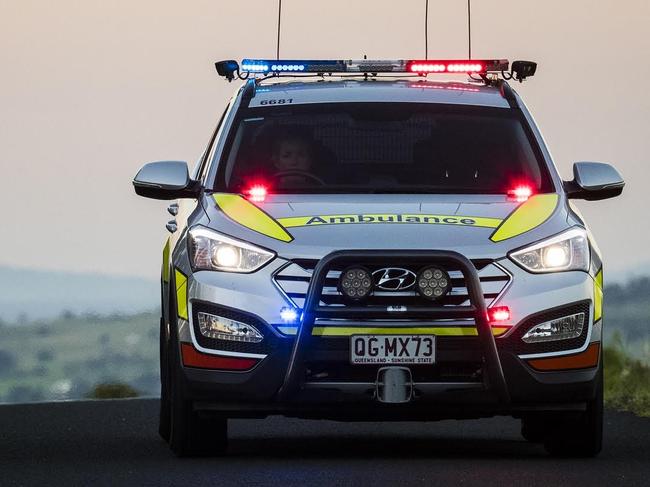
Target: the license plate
pixel 392 349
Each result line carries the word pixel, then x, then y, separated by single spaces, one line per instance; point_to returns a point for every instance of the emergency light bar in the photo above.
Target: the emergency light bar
pixel 423 67
pixel 471 66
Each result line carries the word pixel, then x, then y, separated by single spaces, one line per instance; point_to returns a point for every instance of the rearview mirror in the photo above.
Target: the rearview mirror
pixel 594 181
pixel 164 180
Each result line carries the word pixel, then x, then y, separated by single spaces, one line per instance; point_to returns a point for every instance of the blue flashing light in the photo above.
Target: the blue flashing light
pixel 288 315
pixel 287 67
pixel 265 66
pixel 255 66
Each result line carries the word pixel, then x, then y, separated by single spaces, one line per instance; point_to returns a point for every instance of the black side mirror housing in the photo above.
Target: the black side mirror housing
pixel 594 181
pixel 165 180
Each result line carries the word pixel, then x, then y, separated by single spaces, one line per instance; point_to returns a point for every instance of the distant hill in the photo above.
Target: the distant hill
pixel 35 294
pixel 624 275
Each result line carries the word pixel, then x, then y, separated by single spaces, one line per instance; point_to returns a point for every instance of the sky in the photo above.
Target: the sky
pixel 90 90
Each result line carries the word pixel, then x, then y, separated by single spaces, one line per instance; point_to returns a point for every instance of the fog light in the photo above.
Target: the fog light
pixel 355 283
pixel 213 326
pixel 563 328
pixel 433 283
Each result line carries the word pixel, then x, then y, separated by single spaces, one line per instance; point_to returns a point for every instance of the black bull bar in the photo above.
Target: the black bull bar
pixel 477 310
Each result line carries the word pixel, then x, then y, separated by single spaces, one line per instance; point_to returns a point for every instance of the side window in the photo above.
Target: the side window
pixel 201 167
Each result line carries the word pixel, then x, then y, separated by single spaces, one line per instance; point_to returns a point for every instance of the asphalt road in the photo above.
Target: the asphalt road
pixel 115 443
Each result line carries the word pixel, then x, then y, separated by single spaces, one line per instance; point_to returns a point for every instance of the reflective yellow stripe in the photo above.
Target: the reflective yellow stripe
pixel 181 294
pixel 527 216
pixel 246 213
pixel 165 262
pixel 414 218
pixel 598 296
pixel 337 331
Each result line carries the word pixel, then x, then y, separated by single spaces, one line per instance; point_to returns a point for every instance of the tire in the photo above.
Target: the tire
pixel 533 429
pixel 191 434
pixel 164 416
pixel 579 435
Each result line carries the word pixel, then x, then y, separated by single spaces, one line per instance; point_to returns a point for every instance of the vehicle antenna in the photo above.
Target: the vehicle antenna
pixel 277 51
pixel 426 29
pixel 469 28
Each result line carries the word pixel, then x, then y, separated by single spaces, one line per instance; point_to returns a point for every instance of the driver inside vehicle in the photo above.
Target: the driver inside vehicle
pixel 292 159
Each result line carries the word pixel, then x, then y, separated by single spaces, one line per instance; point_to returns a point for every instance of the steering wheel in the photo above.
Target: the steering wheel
pixel 304 174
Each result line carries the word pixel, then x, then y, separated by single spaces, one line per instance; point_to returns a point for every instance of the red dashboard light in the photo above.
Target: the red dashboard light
pixel 498 314
pixel 520 193
pixel 257 193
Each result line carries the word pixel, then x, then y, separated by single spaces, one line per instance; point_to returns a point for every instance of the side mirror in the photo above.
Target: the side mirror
pixel 594 181
pixel 164 180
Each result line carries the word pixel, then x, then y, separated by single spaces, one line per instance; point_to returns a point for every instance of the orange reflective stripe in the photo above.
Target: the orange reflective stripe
pixel 194 358
pixel 583 360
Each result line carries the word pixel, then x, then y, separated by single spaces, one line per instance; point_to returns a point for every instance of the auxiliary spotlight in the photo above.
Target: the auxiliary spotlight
pixel 433 283
pixel 355 283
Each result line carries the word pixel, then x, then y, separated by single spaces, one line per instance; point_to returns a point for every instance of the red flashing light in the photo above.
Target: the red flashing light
pixel 425 66
pixel 520 193
pixel 498 314
pixel 257 193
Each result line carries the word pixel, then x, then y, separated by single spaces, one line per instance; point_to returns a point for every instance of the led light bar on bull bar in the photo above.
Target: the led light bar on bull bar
pixel 267 66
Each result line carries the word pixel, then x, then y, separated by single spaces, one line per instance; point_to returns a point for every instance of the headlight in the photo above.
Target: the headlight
pixel 568 251
pixel 212 251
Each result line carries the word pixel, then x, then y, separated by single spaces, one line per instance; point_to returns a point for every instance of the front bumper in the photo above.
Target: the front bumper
pixel 276 385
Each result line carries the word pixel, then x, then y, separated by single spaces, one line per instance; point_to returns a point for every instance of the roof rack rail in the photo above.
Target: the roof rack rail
pixel 248 91
pixel 507 92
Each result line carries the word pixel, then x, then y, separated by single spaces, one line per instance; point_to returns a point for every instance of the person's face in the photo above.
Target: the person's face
pixel 292 155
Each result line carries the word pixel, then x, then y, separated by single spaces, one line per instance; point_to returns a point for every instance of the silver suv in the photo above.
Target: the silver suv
pixel 359 242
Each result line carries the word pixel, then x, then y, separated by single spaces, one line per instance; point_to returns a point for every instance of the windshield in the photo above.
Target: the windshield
pixel 381 148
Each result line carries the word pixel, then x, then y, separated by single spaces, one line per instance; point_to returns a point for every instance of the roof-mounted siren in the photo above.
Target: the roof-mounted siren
pixel 523 69
pixel 227 69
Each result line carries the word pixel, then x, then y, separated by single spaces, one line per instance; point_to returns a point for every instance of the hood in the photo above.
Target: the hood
pixel 320 224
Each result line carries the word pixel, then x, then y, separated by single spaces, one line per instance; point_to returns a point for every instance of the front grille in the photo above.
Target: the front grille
pixel 294 278
pixel 515 344
pixel 269 343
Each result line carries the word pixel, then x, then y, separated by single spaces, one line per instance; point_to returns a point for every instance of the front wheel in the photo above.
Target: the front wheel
pixel 533 429
pixel 164 417
pixel 192 434
pixel 579 435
